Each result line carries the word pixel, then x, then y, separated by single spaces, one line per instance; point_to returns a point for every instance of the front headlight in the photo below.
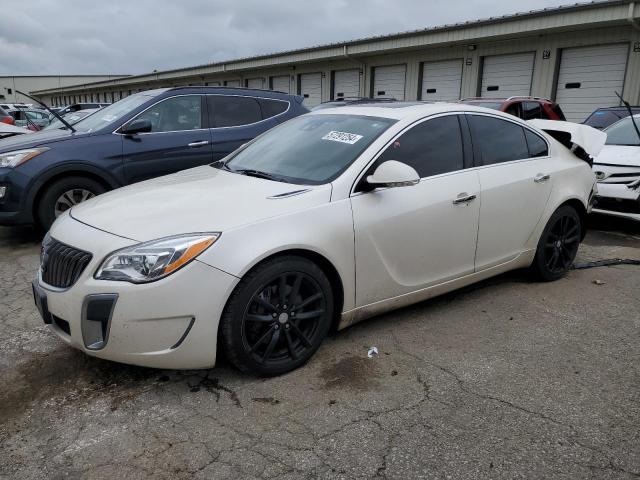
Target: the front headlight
pixel 154 260
pixel 15 158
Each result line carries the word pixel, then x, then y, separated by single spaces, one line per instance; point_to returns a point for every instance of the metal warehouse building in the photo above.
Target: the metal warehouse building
pixel 578 55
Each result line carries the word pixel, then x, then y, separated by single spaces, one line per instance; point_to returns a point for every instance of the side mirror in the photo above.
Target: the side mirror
pixel 393 174
pixel 140 125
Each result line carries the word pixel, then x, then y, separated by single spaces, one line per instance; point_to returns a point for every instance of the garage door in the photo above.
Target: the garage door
pixel 589 77
pixel 507 75
pixel 280 83
pixel 311 88
pixel 232 83
pixel 441 80
pixel 255 83
pixel 389 81
pixel 346 83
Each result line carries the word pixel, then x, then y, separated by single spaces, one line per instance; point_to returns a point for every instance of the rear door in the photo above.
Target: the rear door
pixel 236 119
pixel 179 139
pixel 516 177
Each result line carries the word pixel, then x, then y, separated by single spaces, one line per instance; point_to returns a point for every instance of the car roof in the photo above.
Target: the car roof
pixel 230 91
pixel 407 110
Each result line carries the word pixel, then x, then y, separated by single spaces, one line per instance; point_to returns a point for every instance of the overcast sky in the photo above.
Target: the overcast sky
pixel 138 36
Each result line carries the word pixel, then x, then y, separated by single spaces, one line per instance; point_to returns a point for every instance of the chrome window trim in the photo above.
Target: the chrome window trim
pixel 116 132
pixel 475 167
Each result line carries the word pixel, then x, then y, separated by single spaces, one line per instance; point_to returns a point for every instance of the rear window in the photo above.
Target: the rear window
pixel 271 108
pixel 233 111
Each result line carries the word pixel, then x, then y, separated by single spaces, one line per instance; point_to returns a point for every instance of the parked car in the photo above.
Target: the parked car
pixel 605 116
pixel 7 130
pixel 71 118
pixel 341 102
pixel 81 106
pixel 34 120
pixel 142 136
pixel 527 108
pixel 15 106
pixel 617 170
pixel 5 117
pixel 325 220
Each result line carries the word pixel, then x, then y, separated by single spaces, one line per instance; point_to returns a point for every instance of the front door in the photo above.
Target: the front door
pixel 409 238
pixel 178 140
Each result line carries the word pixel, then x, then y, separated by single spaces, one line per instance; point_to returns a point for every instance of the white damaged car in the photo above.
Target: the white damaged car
pixel 321 222
pixel 617 170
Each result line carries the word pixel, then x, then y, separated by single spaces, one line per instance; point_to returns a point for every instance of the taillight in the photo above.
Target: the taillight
pixel 8 119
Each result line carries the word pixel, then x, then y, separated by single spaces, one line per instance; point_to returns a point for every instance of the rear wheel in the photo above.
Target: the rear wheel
pixel 63 194
pixel 277 317
pixel 558 245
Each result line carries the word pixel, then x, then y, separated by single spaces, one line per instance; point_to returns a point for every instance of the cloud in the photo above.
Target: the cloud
pixel 80 37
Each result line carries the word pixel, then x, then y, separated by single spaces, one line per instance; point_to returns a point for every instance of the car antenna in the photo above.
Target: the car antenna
pixel 64 122
pixel 633 120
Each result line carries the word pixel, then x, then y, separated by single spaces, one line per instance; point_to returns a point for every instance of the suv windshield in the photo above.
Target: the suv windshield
pixel 311 149
pixel 112 113
pixel 623 132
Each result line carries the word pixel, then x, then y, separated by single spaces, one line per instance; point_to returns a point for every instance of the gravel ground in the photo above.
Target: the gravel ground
pixel 506 379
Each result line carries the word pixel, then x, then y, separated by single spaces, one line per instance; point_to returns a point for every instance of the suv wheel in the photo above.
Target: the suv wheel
pixel 63 194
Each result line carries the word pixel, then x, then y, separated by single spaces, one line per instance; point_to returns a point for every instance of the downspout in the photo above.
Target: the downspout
pixel 630 17
pixel 364 68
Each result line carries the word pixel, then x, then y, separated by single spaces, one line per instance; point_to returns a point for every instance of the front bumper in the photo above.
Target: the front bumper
pixel 170 323
pixel 617 200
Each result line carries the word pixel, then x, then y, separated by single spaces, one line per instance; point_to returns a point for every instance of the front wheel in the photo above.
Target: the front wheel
pixel 63 194
pixel 558 245
pixel 277 316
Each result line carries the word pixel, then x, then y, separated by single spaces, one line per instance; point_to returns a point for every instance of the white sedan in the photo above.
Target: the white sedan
pixel 617 170
pixel 319 223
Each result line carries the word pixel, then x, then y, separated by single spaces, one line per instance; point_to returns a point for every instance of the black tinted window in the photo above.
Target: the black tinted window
pixel 531 110
pixel 432 147
pixel 233 111
pixel 537 146
pixel 271 108
pixel 498 140
pixel 175 114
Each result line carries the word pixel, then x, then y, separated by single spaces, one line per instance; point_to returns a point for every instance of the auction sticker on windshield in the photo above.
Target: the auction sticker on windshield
pixel 342 137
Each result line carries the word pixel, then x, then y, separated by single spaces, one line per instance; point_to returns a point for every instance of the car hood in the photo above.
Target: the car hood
pixel 623 155
pixel 36 139
pixel 202 199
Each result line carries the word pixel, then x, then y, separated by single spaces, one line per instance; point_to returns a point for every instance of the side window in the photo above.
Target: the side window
pixel 537 146
pixel 431 147
pixel 498 140
pixel 175 114
pixel 531 110
pixel 513 109
pixel 271 108
pixel 230 111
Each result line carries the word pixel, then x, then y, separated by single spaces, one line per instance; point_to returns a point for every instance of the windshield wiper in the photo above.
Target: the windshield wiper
pixel 258 174
pixel 66 124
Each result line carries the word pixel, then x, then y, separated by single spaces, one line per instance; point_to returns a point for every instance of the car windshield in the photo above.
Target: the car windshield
pixel 312 149
pixel 71 118
pixel 112 113
pixel 491 105
pixel 623 132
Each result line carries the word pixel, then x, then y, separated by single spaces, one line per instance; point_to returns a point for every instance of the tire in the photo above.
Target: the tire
pixel 51 203
pixel 263 333
pixel 558 245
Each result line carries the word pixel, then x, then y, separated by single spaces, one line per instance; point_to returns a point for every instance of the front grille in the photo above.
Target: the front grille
pixel 61 264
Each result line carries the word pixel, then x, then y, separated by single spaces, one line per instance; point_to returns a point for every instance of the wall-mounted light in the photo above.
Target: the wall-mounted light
pixel 471 47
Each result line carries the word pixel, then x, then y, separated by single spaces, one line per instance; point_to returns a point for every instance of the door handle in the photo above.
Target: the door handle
pixel 464 198
pixel 541 177
pixel 198 144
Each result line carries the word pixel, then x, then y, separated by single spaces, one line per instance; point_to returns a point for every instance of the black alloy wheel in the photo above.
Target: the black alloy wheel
pixel 278 316
pixel 558 244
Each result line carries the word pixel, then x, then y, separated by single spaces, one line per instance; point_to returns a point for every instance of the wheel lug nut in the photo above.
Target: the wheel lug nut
pixel 277 326
pixel 274 315
pixel 286 325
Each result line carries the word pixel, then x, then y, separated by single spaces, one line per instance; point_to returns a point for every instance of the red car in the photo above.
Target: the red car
pixel 526 108
pixel 5 117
